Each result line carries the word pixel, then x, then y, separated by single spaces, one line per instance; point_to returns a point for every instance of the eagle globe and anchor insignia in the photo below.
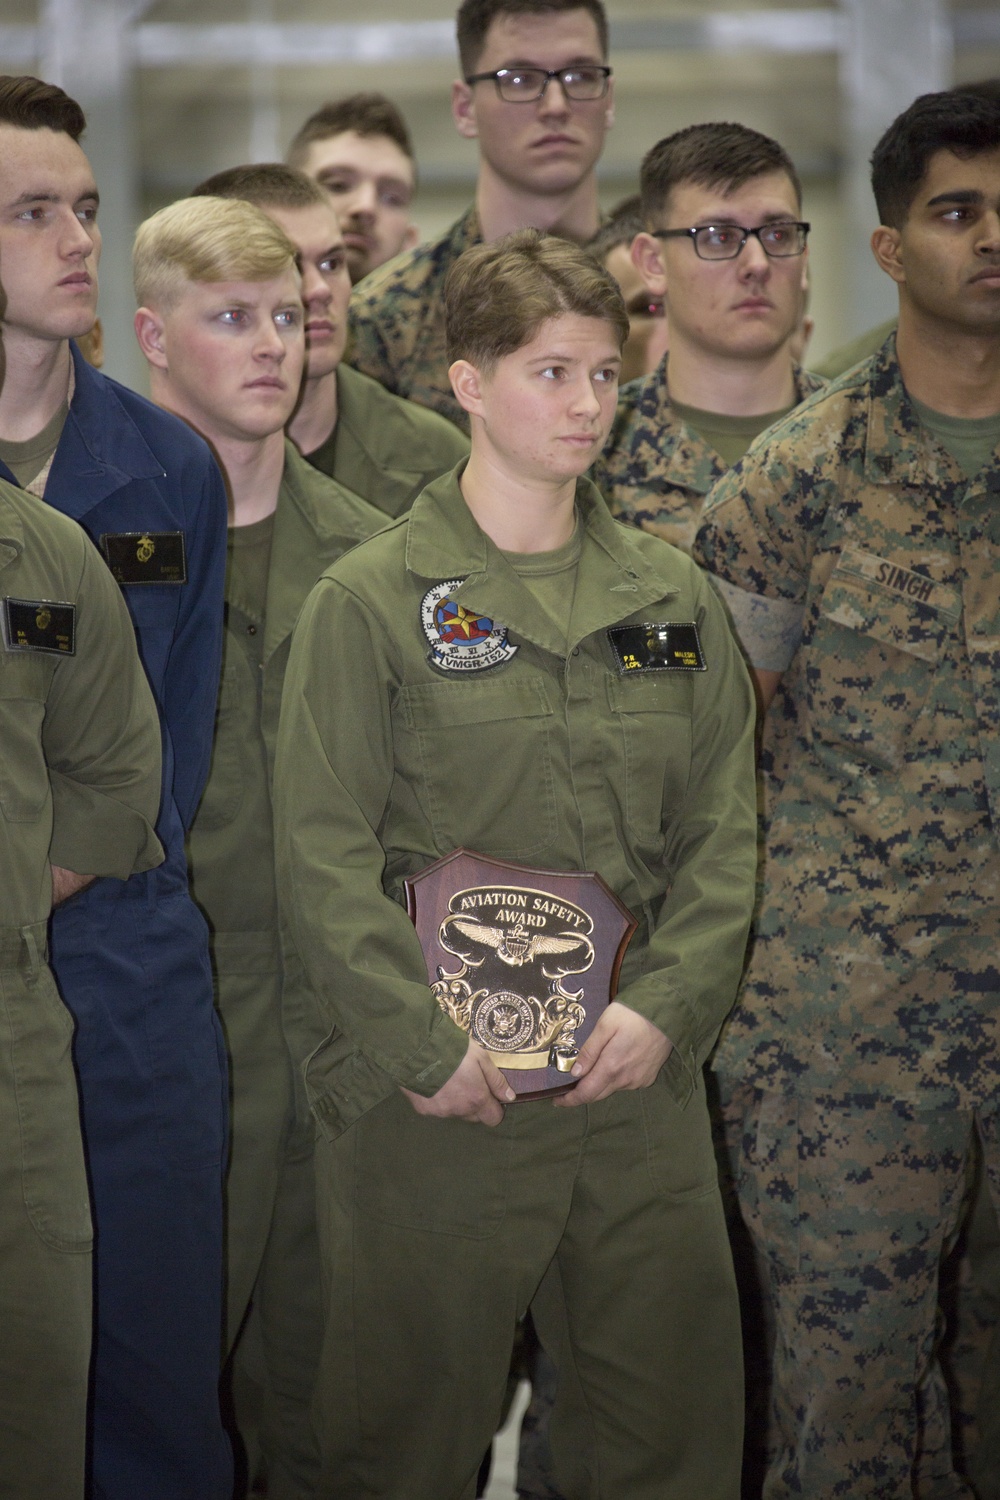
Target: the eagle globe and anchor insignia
pixel 524 960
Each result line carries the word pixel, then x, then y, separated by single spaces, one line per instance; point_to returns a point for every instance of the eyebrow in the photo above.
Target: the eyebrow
pixel 587 60
pixel 957 195
pixel 89 195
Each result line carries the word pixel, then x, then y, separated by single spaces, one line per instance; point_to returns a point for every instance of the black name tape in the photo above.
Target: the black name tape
pixel 39 625
pixel 657 648
pixel 145 556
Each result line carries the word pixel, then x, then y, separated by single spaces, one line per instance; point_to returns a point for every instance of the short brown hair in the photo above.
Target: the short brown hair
pixel 268 184
pixel 475 17
pixel 497 296
pixel 365 114
pixel 723 156
pixel 30 104
pixel 622 225
pixel 206 239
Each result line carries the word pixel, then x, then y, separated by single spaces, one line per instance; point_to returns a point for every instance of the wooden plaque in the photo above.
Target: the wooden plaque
pixel 524 960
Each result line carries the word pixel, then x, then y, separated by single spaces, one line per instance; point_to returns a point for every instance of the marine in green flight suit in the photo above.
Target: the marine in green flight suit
pixel 384 447
pixel 533 741
pixel 79 791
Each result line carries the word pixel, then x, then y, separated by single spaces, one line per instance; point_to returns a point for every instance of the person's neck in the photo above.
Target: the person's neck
pixel 35 384
pixel 730 387
pixel 501 207
pixel 952 370
pixel 518 514
pixel 315 417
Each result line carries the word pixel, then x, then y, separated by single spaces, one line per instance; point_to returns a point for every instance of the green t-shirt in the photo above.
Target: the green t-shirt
pixel 551 578
pixel 729 436
pixel 27 460
pixel 971 441
pixel 246 589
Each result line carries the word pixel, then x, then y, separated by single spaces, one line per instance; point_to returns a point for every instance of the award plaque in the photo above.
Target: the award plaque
pixel 524 960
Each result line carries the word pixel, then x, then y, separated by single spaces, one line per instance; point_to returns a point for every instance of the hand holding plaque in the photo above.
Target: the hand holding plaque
pixel 524 960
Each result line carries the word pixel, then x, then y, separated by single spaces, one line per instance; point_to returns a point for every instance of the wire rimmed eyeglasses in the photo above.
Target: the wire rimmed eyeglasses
pixel 780 239
pixel 526 85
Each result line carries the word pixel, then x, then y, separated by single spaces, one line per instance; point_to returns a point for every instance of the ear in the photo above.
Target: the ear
pixel 150 330
pixel 647 257
pixel 467 383
pixel 463 110
pixel 885 243
pixel 411 239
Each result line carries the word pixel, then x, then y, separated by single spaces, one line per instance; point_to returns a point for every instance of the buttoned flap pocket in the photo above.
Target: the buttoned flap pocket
pixel 870 663
pixel 24 777
pixel 484 756
pixel 652 715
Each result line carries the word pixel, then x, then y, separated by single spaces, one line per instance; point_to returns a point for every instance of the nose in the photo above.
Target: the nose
pixel 77 240
pixel 269 344
pixel 754 261
pixel 364 201
pixel 554 100
pixel 586 402
pixel 315 292
pixel 989 238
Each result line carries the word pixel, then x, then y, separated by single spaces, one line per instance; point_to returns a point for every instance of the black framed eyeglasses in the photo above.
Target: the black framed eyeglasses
pixel 526 85
pixel 725 241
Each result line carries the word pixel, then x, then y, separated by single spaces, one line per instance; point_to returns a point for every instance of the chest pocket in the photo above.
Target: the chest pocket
pixel 485 755
pixel 871 662
pixel 652 714
pixel 154 608
pixel 24 778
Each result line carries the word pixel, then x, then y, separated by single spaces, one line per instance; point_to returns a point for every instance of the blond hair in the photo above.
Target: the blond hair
pixel 497 296
pixel 206 239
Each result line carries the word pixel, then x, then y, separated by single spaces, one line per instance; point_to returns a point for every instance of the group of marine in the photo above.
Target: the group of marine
pixel 172 1061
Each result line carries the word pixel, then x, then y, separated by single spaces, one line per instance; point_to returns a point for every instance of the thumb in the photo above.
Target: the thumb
pixel 591 1049
pixel 497 1083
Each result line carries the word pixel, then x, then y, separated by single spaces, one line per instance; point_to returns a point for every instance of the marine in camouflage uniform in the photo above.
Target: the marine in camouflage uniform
pixel 397 321
pixel 656 470
pixel 862 1056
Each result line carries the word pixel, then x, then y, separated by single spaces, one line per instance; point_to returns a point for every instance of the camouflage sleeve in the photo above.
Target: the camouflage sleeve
pixel 756 541
pixel 367 350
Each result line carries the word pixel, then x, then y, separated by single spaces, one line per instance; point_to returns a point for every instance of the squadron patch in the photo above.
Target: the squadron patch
pixel 39 625
pixel 145 556
pixel 657 648
pixel 460 639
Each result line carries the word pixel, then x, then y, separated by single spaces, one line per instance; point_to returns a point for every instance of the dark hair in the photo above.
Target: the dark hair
pixel 965 121
pixel 623 223
pixel 497 296
pixel 720 155
pixel 31 104
pixel 475 17
pixel 365 114
pixel 268 184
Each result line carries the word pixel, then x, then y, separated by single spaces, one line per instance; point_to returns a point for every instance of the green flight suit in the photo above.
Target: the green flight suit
pixel 79 787
pixel 438 1234
pixel 230 850
pixel 383 447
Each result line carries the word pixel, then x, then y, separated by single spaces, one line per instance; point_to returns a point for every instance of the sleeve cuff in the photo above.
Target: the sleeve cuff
pixel 769 629
pixel 97 835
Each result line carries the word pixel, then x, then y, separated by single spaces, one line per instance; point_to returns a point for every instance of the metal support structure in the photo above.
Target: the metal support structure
pixel 86 47
pixel 892 51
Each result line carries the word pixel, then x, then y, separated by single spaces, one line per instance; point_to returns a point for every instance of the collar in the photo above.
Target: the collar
pixel 898 448
pixel 101 448
pixel 316 519
pixel 444 541
pixel 11 524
